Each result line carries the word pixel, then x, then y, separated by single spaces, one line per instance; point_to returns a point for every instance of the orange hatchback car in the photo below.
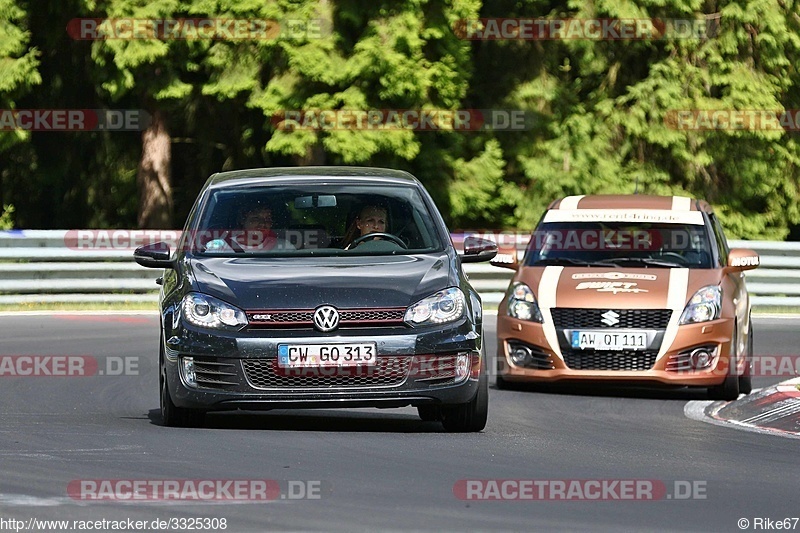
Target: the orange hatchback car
pixel 629 289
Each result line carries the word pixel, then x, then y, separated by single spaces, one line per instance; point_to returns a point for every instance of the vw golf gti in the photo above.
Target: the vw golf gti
pixel 319 287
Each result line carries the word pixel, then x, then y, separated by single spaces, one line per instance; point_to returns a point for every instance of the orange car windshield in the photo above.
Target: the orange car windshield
pixel 620 244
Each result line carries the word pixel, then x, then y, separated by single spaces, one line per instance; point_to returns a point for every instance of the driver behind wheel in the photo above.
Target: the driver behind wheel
pixel 371 219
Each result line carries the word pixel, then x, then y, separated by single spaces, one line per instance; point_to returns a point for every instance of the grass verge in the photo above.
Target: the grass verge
pixel 80 306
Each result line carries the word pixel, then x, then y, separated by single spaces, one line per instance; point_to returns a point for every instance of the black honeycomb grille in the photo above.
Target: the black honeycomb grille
pixel 637 360
pixel 572 318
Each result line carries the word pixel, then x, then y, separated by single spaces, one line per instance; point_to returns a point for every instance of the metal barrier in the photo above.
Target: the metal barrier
pixel 53 266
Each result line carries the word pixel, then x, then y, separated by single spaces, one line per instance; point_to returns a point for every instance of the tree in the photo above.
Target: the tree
pixel 18 73
pixel 604 109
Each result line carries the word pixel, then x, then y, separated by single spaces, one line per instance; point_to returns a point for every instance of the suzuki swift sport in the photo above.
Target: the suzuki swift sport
pixel 319 287
pixel 629 289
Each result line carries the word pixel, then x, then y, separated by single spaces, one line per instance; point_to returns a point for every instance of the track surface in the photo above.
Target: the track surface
pixel 379 469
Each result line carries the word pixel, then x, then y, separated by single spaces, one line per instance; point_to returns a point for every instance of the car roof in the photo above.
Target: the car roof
pixel 290 175
pixel 631 201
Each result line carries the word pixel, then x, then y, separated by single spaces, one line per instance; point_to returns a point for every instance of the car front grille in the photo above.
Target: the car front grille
pixel 572 318
pixel 431 369
pixel 266 374
pixel 348 318
pixel 215 374
pixel 610 360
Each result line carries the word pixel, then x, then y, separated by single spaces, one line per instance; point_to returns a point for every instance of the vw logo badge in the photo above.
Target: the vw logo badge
pixel 326 318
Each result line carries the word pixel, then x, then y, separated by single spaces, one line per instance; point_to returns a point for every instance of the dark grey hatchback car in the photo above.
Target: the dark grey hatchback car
pixel 319 287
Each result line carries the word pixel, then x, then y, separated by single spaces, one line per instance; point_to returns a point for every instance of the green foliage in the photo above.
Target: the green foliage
pixel 606 108
pixel 18 64
pixel 7 217
pixel 479 196
pixel 384 55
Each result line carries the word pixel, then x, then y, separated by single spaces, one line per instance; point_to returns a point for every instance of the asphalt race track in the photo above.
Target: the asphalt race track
pixel 370 469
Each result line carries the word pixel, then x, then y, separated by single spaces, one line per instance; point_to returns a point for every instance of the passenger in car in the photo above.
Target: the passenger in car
pixel 256 233
pixel 371 219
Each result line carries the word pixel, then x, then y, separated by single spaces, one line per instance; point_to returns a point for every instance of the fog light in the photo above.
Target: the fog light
pixel 188 371
pixel 462 366
pixel 520 355
pixel 701 358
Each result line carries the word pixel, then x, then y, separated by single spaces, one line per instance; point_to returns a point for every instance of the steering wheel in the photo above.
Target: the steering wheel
pixel 388 236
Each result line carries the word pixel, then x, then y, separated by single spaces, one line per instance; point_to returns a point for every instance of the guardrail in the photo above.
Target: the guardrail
pixel 53 266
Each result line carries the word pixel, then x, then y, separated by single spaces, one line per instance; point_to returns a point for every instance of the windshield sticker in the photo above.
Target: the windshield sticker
pixel 625 215
pixel 615 275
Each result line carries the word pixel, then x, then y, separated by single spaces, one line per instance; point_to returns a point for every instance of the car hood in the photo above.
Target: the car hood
pixel 305 283
pixel 619 288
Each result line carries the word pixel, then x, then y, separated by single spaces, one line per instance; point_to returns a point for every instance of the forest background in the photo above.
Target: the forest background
pixel 598 110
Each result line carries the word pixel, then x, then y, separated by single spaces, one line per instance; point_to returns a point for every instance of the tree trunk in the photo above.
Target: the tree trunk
pixel 154 176
pixel 315 156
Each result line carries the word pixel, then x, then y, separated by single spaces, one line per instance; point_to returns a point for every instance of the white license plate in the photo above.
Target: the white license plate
pixel 605 340
pixel 326 355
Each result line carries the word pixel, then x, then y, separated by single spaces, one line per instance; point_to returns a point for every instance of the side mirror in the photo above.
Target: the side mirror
pixel 477 250
pixel 506 260
pixel 740 259
pixel 155 255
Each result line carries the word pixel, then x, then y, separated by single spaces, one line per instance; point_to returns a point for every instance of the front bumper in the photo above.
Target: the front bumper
pixel 670 368
pixel 239 370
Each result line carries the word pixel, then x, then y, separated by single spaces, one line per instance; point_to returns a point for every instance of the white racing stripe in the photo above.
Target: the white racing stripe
pixel 570 202
pixel 681 203
pixel 548 287
pixel 676 299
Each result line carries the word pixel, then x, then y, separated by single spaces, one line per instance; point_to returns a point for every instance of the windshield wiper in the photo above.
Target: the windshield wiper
pixel 642 261
pixel 561 261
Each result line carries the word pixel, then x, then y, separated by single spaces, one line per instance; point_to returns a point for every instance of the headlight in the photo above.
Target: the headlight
pixel 705 305
pixel 444 306
pixel 208 312
pixel 522 304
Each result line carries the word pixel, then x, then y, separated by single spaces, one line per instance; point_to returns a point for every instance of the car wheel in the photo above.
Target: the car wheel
pixel 746 379
pixel 502 384
pixel 471 416
pixel 172 415
pixel 428 413
pixel 729 389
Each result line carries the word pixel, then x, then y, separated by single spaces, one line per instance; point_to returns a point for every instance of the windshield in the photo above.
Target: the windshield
pixel 619 244
pixel 324 219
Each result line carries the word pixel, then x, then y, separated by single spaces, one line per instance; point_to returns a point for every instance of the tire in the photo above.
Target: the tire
pixel 746 379
pixel 503 384
pixel 172 415
pixel 428 413
pixel 469 417
pixel 728 390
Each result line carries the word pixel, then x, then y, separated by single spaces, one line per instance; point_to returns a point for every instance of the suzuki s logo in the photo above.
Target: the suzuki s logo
pixel 326 318
pixel 610 318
